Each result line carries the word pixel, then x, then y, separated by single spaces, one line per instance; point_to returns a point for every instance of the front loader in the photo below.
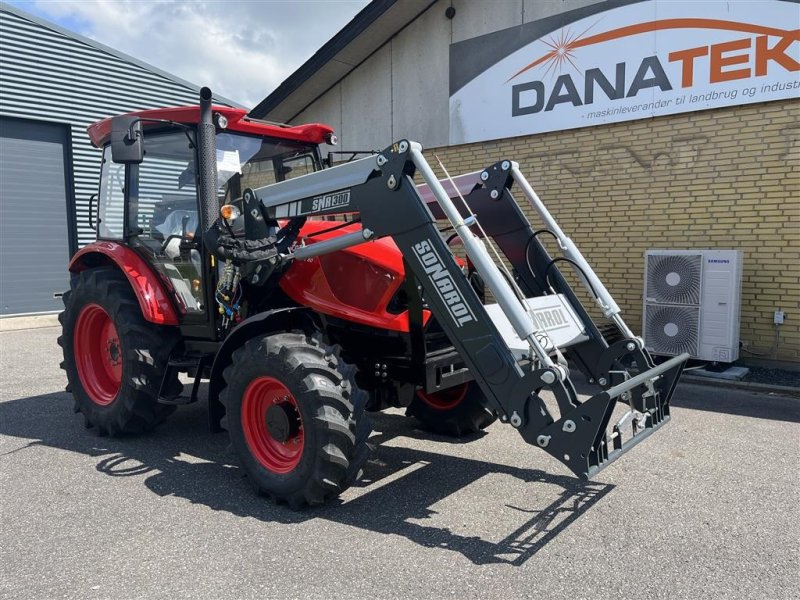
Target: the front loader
pixel 217 258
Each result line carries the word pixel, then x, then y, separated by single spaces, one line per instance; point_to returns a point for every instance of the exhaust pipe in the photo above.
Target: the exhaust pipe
pixel 207 162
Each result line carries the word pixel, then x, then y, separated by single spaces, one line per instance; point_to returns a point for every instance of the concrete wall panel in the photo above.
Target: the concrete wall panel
pixel 327 109
pixel 367 103
pixel 474 19
pixel 420 71
pixel 533 10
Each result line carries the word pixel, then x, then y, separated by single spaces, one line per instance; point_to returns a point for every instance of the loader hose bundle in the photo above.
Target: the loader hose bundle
pixel 226 246
pixel 242 251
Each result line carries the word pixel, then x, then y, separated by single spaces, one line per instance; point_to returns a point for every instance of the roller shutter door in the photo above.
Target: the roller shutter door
pixel 34 235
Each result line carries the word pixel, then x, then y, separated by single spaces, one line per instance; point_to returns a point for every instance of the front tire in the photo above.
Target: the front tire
pixel 296 418
pixel 113 358
pixel 456 411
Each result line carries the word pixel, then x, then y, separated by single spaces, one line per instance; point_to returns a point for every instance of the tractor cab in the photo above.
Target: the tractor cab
pixel 148 196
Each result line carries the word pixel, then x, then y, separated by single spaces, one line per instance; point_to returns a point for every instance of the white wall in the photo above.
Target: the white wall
pixel 401 91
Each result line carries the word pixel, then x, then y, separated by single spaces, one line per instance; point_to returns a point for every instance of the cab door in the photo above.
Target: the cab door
pixel 163 217
pixel 153 208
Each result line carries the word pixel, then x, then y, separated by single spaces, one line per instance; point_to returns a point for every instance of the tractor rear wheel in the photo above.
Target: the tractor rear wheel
pixel 456 411
pixel 296 418
pixel 113 358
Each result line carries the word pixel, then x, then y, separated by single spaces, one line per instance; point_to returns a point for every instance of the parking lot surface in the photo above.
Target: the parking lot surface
pixel 708 507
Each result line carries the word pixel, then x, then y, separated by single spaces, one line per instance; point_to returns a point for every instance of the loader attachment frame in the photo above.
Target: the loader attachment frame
pixel 381 188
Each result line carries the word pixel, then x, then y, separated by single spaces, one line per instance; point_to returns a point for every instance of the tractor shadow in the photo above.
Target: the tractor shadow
pixel 432 499
pixel 438 500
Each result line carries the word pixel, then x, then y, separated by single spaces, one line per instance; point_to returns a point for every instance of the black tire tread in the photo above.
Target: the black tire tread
pixel 341 424
pixel 146 350
pixel 470 416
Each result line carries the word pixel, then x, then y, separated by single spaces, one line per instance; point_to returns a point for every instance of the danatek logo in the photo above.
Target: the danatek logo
pixel 742 58
pixel 443 282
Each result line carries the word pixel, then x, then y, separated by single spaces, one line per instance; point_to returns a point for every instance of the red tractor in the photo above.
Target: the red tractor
pixel 216 257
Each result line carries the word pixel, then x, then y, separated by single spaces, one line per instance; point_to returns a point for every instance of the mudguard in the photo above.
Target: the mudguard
pixel 154 299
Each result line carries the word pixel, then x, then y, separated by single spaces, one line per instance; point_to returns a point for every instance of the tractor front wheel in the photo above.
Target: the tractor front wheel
pixel 114 359
pixel 295 417
pixel 456 411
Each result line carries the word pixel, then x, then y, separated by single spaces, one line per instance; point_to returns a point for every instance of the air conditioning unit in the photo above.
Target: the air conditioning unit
pixel 692 303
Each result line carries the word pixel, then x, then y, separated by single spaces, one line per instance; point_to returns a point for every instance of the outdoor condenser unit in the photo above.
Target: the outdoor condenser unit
pixel 692 302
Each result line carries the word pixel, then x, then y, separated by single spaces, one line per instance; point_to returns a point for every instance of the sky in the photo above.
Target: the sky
pixel 241 49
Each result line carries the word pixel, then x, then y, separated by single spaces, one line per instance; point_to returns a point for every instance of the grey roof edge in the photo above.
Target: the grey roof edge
pixel 6 7
pixel 352 30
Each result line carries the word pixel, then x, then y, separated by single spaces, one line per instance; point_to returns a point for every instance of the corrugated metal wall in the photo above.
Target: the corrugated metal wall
pixel 49 76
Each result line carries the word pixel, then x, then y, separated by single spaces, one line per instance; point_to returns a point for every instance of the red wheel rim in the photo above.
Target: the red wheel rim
pixel 444 399
pixel 98 354
pixel 275 455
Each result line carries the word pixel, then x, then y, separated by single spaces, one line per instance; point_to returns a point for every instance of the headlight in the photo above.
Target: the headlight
pixel 221 121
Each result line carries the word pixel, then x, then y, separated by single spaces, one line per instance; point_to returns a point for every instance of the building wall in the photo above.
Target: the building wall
pixel 725 178
pixel 49 76
pixel 401 90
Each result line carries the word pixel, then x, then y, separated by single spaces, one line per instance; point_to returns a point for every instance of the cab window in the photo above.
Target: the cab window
pixel 111 199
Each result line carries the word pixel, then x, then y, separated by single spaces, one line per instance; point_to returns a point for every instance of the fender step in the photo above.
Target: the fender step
pixel 174 366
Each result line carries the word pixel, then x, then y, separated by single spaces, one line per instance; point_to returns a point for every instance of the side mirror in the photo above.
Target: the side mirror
pixel 126 140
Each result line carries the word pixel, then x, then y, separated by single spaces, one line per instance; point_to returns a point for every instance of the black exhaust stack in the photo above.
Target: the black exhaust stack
pixel 207 158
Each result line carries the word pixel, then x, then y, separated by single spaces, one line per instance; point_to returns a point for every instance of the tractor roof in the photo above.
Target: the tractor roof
pixel 238 120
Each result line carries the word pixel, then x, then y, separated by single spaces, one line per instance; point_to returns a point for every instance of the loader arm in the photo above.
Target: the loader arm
pixel 488 194
pixel 381 188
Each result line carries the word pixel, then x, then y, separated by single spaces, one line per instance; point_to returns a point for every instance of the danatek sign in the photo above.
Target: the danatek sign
pixel 623 60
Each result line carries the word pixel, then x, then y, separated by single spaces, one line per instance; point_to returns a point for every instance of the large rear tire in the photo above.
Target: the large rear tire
pixel 456 411
pixel 296 418
pixel 113 358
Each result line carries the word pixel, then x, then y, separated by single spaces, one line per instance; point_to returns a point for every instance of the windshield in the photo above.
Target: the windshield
pixel 250 162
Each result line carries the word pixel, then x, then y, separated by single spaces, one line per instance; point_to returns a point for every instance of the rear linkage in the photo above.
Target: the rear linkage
pixel 513 367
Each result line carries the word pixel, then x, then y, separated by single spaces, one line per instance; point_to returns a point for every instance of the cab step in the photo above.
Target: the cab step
pixel 194 364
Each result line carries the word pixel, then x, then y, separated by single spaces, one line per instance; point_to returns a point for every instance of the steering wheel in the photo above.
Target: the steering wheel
pixel 182 236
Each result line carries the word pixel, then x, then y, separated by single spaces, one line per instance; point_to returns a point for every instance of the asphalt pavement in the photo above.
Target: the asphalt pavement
pixel 708 507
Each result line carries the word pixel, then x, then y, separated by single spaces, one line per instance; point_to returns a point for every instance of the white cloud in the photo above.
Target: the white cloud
pixel 241 49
